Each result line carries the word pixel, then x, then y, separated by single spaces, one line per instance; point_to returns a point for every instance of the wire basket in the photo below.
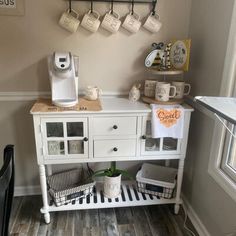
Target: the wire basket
pixel 69 186
pixel 156 180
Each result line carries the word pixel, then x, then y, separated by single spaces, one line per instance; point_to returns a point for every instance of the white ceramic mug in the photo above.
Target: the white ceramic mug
pixel 92 93
pixel 75 146
pixel 163 91
pixel 149 88
pixel 153 23
pixel 91 21
pixel 53 147
pixel 111 22
pixel 132 22
pixel 181 89
pixel 70 21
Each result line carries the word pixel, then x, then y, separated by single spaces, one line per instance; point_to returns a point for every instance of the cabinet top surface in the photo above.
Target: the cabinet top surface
pixel 108 105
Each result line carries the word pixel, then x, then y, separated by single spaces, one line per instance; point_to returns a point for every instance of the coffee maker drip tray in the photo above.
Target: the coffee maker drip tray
pixel 65 102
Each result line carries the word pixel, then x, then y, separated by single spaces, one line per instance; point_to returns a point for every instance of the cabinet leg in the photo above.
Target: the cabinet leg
pixel 176 210
pixel 167 163
pixel 43 184
pixel 179 184
pixel 47 218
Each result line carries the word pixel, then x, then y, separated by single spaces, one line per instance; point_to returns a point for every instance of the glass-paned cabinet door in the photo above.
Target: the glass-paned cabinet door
pixel 153 146
pixel 65 137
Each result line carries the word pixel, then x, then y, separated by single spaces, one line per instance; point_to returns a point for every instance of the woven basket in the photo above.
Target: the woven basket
pixel 69 186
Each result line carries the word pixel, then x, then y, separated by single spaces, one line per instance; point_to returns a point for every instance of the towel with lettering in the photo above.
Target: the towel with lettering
pixel 167 121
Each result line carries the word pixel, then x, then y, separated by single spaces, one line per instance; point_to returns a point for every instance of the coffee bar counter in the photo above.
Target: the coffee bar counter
pixel 109 129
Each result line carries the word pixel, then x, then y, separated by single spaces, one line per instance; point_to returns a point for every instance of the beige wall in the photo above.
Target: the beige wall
pixel 209 33
pixel 26 41
pixel 16 127
pixel 112 62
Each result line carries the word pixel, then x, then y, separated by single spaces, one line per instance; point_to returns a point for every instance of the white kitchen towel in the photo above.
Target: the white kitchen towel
pixel 167 121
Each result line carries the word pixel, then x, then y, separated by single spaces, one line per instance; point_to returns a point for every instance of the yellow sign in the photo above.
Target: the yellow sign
pixel 179 54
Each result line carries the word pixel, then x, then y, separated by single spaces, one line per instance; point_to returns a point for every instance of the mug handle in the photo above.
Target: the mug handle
pixel 95 13
pixel 116 15
pixel 155 15
pixel 136 16
pixel 174 94
pixel 189 88
pixel 99 92
pixel 74 12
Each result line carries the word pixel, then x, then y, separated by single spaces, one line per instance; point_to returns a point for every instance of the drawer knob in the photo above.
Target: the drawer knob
pixel 85 139
pixel 115 127
pixel 144 137
pixel 115 149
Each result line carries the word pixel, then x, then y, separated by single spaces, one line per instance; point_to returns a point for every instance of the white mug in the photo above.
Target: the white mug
pixel 153 23
pixel 91 21
pixel 53 147
pixel 132 22
pixel 75 146
pixel 163 91
pixel 70 21
pixel 92 93
pixel 149 88
pixel 180 89
pixel 111 22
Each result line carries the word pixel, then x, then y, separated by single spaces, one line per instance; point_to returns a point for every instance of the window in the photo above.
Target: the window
pixel 222 164
pixel 228 160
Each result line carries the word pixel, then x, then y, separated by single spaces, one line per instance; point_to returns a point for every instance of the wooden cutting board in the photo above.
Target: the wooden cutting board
pixel 172 101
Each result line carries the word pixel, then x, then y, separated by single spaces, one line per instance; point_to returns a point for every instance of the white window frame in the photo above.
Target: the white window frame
pixel 230 147
pixel 227 89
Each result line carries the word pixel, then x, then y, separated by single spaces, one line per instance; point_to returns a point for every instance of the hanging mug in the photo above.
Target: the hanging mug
pixel 70 20
pixel 111 22
pixel 91 21
pixel 132 22
pixel 153 23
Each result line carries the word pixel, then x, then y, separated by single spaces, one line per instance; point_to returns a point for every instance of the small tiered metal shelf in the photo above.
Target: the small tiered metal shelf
pixel 163 73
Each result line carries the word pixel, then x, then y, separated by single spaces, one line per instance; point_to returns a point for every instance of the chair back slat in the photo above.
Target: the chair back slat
pixel 7 175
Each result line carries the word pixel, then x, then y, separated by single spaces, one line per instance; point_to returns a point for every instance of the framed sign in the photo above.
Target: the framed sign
pixel 179 54
pixel 12 7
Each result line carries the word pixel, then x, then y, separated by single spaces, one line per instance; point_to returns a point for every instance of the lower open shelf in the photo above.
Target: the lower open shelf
pixel 129 197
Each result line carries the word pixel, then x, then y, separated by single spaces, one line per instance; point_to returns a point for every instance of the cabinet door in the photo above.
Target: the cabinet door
pixel 153 146
pixel 65 138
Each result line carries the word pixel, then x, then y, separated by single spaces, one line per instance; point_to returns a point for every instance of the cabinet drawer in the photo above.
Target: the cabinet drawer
pixel 114 125
pixel 114 148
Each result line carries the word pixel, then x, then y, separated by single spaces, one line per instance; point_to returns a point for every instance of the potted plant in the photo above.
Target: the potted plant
pixel 112 180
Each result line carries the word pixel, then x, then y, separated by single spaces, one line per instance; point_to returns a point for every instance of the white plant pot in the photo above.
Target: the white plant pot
pixel 112 186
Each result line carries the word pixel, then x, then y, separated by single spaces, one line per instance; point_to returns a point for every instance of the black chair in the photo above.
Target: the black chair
pixel 6 189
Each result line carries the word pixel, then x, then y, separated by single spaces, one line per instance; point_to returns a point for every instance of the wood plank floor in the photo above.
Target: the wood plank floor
pixel 26 219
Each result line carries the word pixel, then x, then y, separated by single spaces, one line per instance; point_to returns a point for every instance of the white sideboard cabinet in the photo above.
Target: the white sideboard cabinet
pixel 121 131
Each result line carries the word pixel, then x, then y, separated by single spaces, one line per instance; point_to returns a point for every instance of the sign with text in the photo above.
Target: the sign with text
pixel 8 3
pixel 12 7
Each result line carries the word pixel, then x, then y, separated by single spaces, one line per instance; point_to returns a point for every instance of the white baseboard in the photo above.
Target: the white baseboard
pixel 197 223
pixel 27 190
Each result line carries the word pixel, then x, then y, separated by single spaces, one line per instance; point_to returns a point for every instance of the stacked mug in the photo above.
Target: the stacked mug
pixel 111 22
pixel 163 91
